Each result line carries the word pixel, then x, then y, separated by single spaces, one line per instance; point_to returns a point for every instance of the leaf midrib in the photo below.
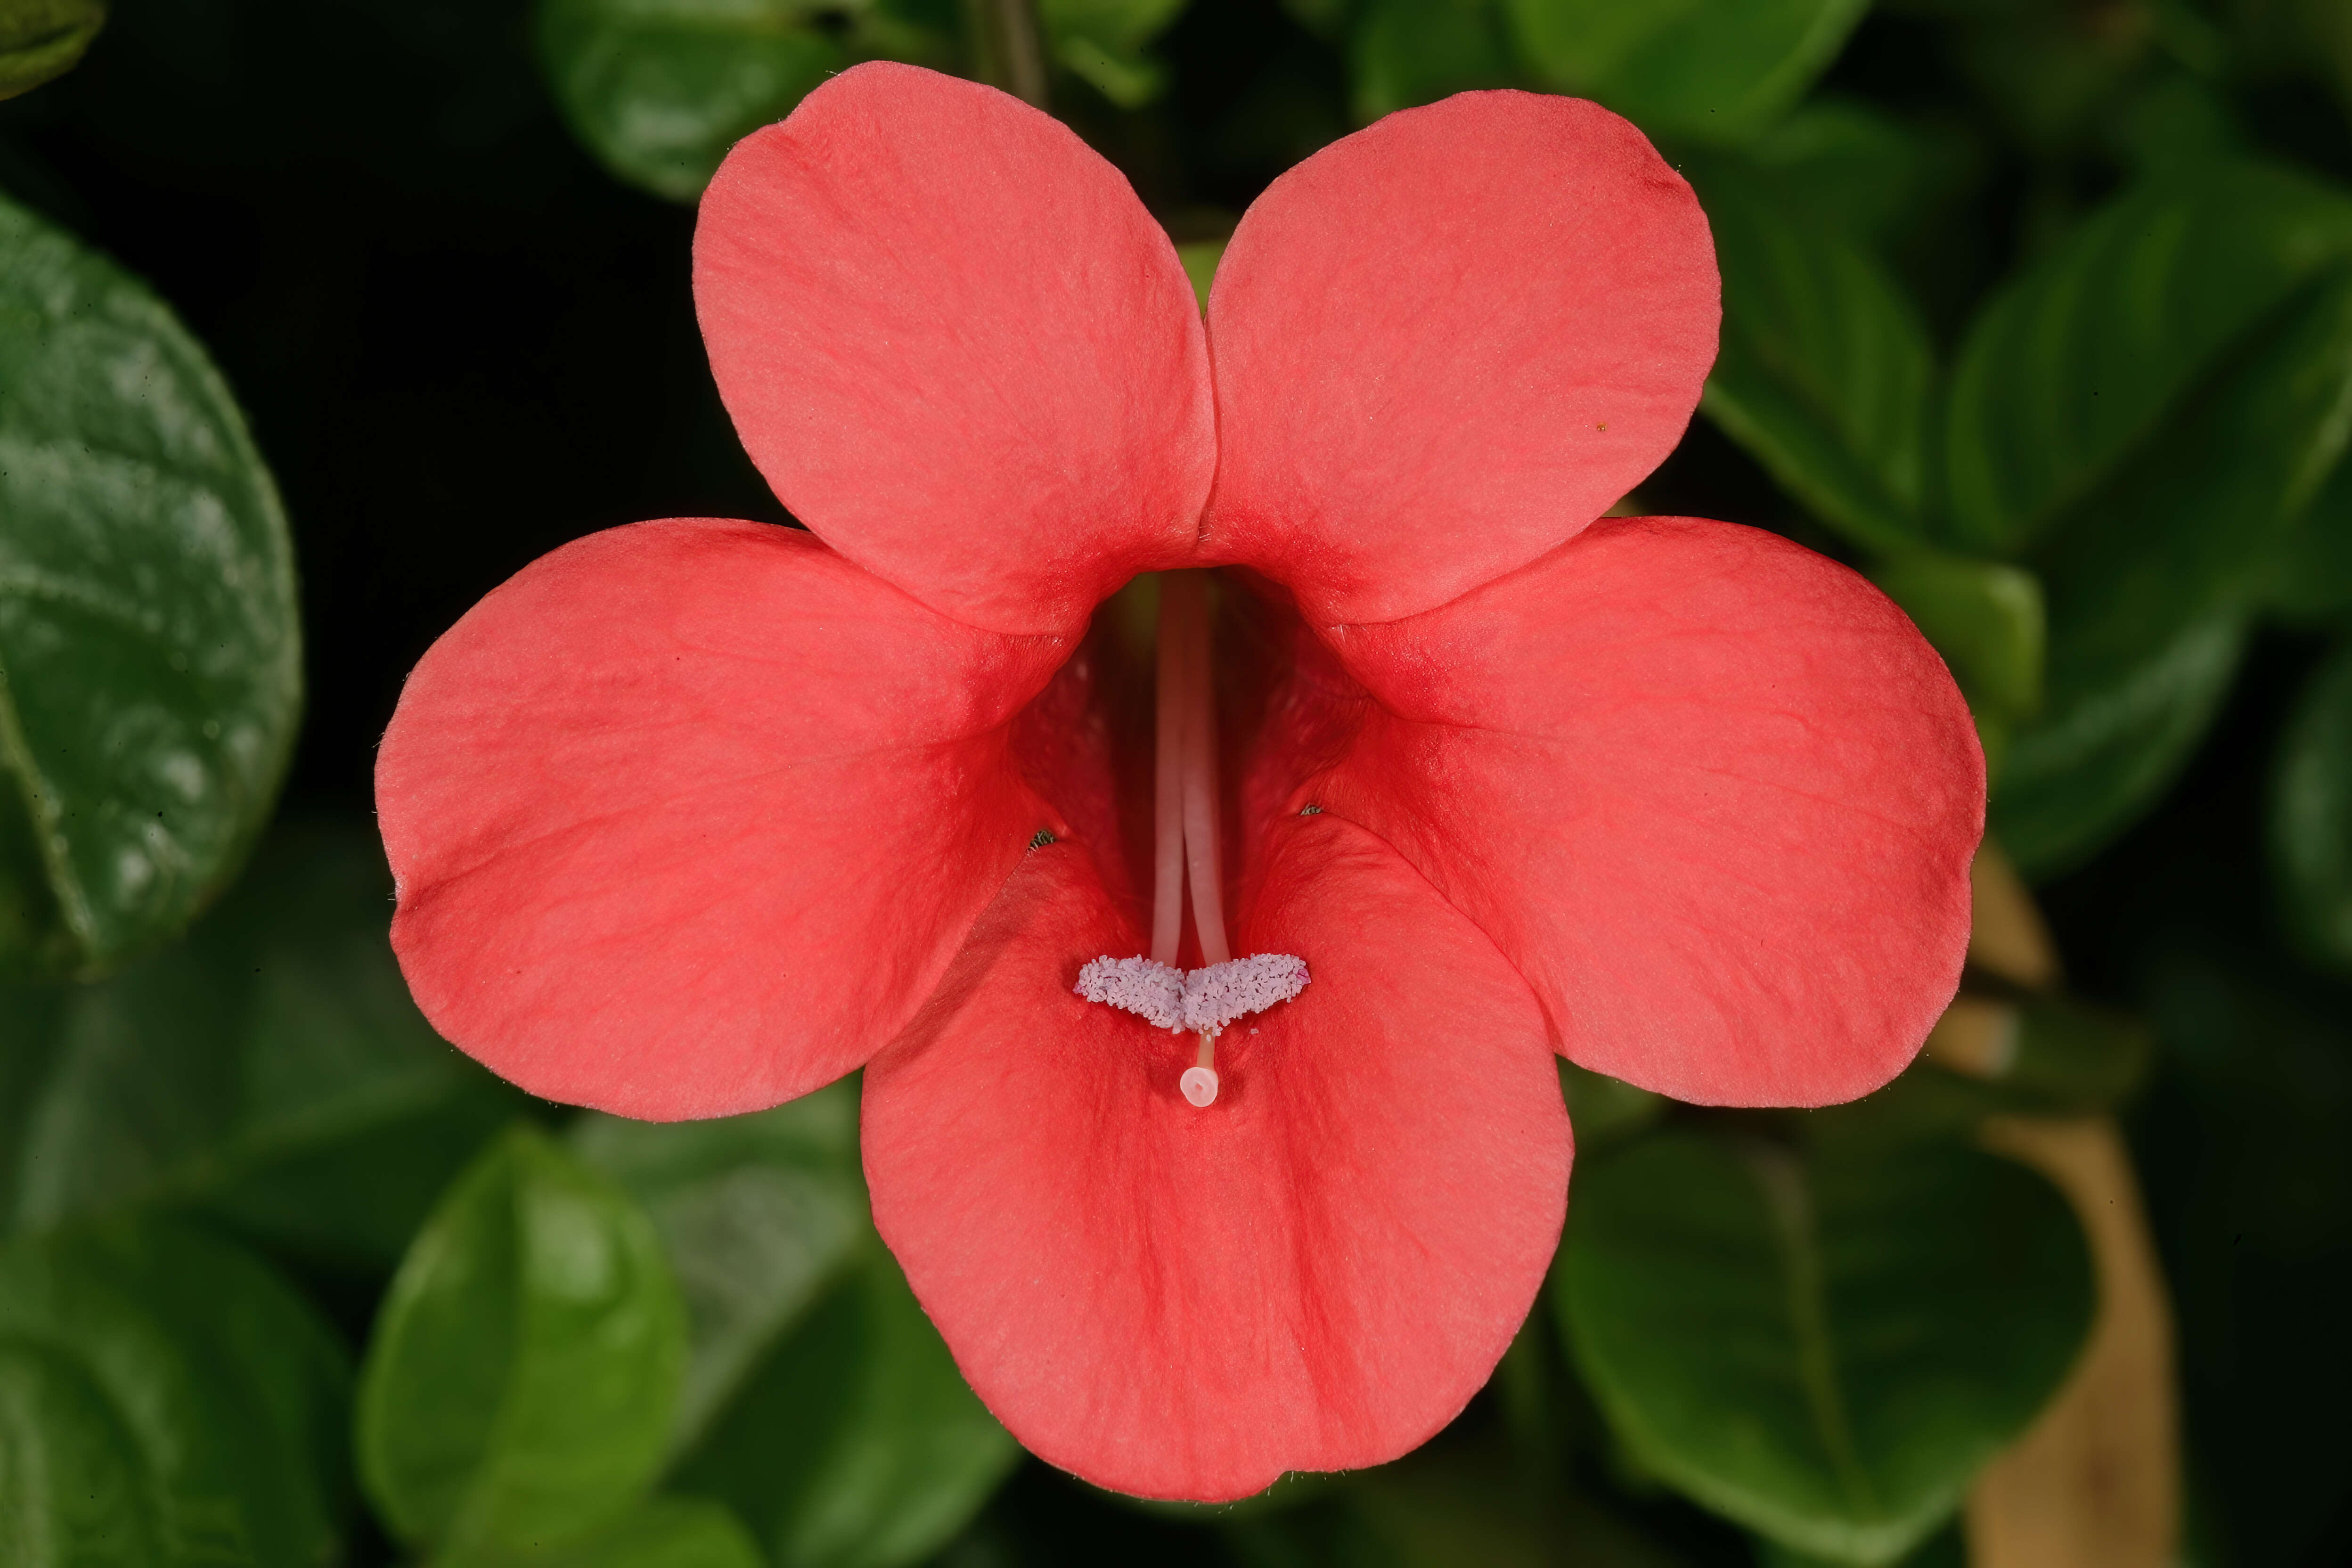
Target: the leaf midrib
pixel 1782 1182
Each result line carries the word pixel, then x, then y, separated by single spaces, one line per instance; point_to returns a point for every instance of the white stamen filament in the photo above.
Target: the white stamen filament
pixel 1185 848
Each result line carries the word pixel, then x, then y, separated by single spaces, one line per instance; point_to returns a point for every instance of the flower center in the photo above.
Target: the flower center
pixel 1184 844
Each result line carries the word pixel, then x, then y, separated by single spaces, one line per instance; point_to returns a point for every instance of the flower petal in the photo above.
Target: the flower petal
pixel 1448 342
pixel 1711 792
pixel 957 346
pixel 1316 1272
pixel 688 817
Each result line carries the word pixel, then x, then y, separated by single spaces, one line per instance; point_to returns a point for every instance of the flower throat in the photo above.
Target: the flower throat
pixel 1185 852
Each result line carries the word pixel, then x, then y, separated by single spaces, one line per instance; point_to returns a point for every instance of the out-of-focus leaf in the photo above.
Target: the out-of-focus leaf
pixel 758 1214
pixel 2046 71
pixel 150 659
pixel 2176 545
pixel 1200 258
pixel 165 1402
pixel 660 1533
pixel 1711 70
pixel 1602 1110
pixel 1102 41
pixel 44 38
pixel 1944 1549
pixel 2311 814
pixel 270 1071
pixel 819 1402
pixel 1848 160
pixel 1821 1348
pixel 2103 751
pixel 1824 373
pixel 520 1386
pixel 2077 368
pixel 1405 52
pixel 659 90
pixel 1984 617
pixel 2309 579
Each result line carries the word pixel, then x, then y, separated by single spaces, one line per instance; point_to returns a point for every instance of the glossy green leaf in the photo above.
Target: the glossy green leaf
pixel 1986 619
pixel 523 1373
pixel 660 1533
pixel 2076 370
pixel 1712 70
pixel 2311 814
pixel 271 1070
pixel 165 1402
pixel 40 39
pixel 1823 1349
pixel 758 1214
pixel 150 659
pixel 2103 751
pixel 1824 373
pixel 659 90
pixel 820 1404
pixel 1406 52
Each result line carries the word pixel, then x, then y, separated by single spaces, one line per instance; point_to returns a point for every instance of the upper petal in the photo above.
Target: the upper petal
pixel 957 346
pixel 1711 792
pixel 1316 1271
pixel 1448 342
pixel 687 817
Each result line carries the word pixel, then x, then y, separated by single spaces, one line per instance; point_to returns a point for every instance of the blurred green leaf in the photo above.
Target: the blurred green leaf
pixel 1712 70
pixel 1406 52
pixel 2103 750
pixel 821 1403
pixel 1200 258
pixel 758 1214
pixel 149 658
pixel 660 1533
pixel 1821 1348
pixel 1848 162
pixel 165 1402
pixel 1984 617
pixel 1602 1110
pixel 1102 41
pixel 1824 373
pixel 2308 581
pixel 271 1071
pixel 520 1386
pixel 2311 814
pixel 40 39
pixel 659 90
pixel 2077 369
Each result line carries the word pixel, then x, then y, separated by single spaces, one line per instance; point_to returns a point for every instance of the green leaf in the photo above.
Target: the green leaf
pixel 2077 368
pixel 1824 373
pixel 1200 258
pixel 659 90
pixel 1985 618
pixel 1102 41
pixel 2105 750
pixel 2309 578
pixel 661 1532
pixel 523 1374
pixel 271 1071
pixel 1822 1349
pixel 1712 70
pixel 2311 814
pixel 40 39
pixel 1604 1110
pixel 149 658
pixel 819 1402
pixel 757 1214
pixel 1406 52
pixel 164 1401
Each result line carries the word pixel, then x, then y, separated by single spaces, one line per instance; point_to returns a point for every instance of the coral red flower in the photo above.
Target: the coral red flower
pixel 691 817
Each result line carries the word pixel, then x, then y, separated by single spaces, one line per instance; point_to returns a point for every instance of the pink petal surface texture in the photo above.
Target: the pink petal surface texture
pixel 1434 363
pixel 1317 1274
pixel 957 346
pixel 1712 794
pixel 636 802
pixel 690 818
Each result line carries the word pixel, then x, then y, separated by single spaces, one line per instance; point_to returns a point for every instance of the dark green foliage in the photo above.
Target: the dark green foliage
pixel 149 663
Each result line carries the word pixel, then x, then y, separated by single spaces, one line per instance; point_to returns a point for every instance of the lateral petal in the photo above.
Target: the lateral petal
pixel 1316 1272
pixel 687 817
pixel 1711 792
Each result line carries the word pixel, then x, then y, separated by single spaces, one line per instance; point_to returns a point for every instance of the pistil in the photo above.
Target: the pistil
pixel 1185 848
